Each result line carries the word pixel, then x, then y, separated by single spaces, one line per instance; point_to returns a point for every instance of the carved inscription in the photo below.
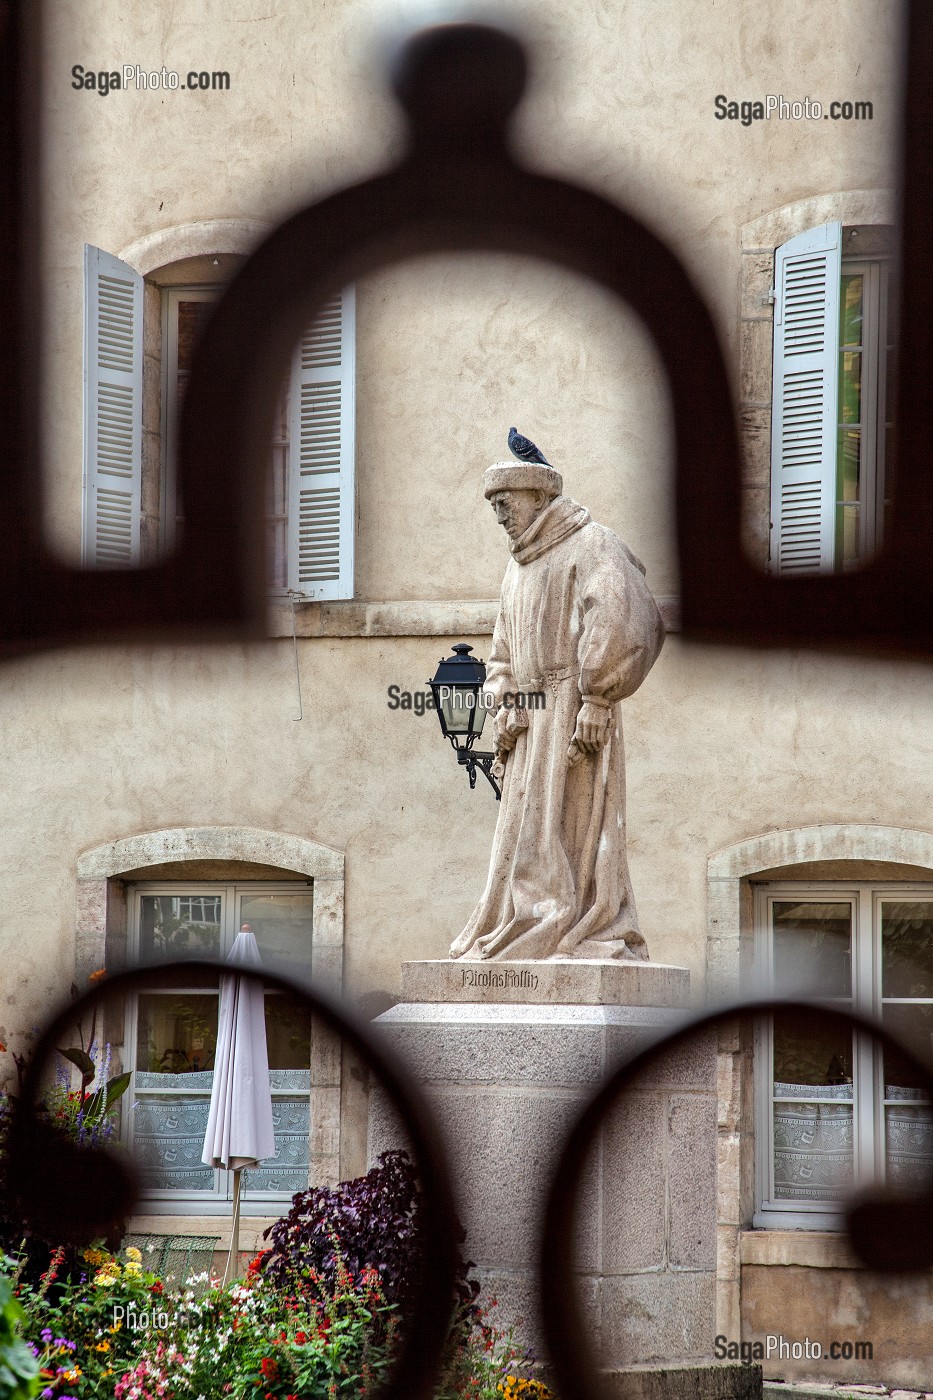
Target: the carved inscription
pixel 508 978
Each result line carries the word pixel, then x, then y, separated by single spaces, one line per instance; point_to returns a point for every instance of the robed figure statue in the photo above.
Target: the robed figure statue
pixel 578 626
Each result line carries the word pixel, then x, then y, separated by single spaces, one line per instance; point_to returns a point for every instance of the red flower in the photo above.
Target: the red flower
pixel 301 1338
pixel 269 1368
pixel 157 1287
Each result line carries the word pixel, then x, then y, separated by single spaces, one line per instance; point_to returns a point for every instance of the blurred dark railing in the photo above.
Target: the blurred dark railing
pixel 458 188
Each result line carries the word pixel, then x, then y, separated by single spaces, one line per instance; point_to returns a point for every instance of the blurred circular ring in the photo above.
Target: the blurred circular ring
pixel 889 1232
pixel 82 1192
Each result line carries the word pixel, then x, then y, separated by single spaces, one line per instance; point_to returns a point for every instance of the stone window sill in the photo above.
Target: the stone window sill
pixel 812 1249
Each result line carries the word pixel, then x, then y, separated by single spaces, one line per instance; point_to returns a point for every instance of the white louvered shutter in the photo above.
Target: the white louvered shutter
pixel 804 408
pixel 321 509
pixel 113 384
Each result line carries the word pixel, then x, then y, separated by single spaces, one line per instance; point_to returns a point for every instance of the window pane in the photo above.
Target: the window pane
pixel 176 1033
pixel 813 1126
pixel 282 925
pixel 914 1026
pixel 288 1170
pixel 193 316
pixel 288 1032
pixel 812 947
pixel 908 1130
pixel 808 1053
pixel 850 310
pixel 907 949
pixel 179 926
pixel 850 387
pixel 812 1150
pixel 168 1139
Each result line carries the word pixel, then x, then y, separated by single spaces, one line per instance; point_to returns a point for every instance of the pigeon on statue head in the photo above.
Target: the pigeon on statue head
pixel 524 449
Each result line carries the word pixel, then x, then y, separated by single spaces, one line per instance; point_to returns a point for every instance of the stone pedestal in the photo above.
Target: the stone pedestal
pixel 508 1064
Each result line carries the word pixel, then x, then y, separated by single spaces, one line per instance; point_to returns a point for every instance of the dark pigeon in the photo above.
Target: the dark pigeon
pixel 524 449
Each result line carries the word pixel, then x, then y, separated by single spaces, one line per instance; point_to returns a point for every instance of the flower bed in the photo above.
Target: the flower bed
pixel 304 1322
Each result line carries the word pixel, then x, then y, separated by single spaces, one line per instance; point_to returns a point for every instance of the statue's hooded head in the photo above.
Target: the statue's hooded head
pixel 519 491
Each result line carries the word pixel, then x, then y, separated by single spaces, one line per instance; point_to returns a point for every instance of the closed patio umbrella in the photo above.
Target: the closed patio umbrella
pixel 239 1124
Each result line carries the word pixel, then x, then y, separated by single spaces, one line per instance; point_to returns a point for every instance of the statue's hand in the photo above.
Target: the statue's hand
pixel 509 724
pixel 593 725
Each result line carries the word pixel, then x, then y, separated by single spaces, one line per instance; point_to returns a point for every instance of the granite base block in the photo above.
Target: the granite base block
pixel 507 1082
pixel 699 1382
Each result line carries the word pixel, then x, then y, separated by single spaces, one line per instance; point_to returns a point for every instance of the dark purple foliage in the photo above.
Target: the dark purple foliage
pixel 374 1221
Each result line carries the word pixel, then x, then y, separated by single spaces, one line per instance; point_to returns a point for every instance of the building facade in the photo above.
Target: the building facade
pixel 778 802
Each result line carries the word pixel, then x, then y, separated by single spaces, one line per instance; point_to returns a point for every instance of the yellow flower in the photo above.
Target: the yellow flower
pixel 132 1270
pixel 94 1256
pixel 104 1280
pixel 133 1254
pixel 102 1346
pixel 73 1374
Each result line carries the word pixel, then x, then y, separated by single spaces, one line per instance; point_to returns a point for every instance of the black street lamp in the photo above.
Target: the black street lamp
pixel 457 688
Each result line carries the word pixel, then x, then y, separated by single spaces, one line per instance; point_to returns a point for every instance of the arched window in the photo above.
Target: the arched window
pixel 140 336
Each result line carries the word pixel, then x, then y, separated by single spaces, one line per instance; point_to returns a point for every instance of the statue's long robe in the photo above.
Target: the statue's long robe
pixel 576 620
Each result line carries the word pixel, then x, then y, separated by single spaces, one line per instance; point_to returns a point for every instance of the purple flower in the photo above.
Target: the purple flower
pixel 46 1334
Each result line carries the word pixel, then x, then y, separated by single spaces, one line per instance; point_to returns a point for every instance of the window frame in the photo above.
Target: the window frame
pixel 875 394
pixel 866 898
pixel 164 1201
pixel 806 532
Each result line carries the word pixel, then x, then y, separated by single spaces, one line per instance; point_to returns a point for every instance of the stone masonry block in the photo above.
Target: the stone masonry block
pixel 327 913
pixel 325 1122
pixel 692 1181
pixel 722 907
pixel 569 1056
pixel 386 1131
pixel 756 524
pixel 152 320
pixel 718 1381
pixel 633 1150
pixel 755 351
pixel 757 278
pixel 152 394
pixel 727 1252
pixel 651 1318
pixel 729 1091
pixel 92 905
pixel 326 1049
pixel 755 435
pixel 495 1139
pixel 689 1064
pixel 327 966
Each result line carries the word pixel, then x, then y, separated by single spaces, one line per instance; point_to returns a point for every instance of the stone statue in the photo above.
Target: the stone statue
pixel 577 625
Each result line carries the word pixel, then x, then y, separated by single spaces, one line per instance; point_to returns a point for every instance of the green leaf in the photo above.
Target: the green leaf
pixel 82 1060
pixel 116 1087
pixel 95 1106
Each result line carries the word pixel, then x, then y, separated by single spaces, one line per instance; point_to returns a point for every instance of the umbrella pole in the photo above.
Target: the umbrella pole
pixel 234 1228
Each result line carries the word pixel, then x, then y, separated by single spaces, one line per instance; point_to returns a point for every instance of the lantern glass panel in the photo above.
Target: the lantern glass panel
pixel 462 714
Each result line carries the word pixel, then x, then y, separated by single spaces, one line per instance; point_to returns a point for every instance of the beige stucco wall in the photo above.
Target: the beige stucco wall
pixel 721 746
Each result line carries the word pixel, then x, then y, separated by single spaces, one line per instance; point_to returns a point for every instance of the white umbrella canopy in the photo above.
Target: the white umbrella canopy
pixel 239 1123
